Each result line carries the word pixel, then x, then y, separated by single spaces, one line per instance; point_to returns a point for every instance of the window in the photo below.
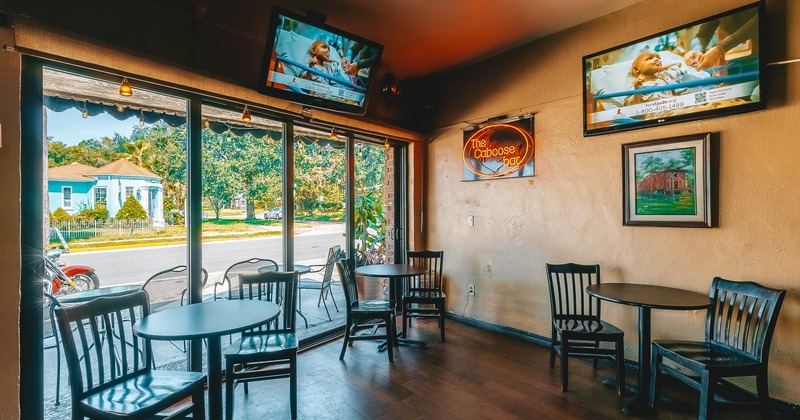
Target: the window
pixel 128 192
pixel 100 194
pixel 66 197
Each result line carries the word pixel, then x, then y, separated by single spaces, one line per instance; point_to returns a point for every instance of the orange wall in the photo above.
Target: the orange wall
pixel 571 210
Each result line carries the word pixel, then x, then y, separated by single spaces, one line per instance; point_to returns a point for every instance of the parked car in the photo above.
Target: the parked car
pixel 276 213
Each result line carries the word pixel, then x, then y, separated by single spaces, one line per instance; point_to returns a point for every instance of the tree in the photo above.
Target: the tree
pixel 221 180
pixel 137 151
pixel 131 210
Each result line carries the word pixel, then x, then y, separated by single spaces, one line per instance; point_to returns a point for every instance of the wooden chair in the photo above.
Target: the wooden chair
pixel 49 330
pixel 422 295
pixel 577 329
pixel 270 351
pixel 362 314
pixel 323 286
pixel 739 328
pixel 230 280
pixel 110 369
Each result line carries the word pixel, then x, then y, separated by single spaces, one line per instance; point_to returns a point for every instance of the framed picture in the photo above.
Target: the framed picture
pixel 667 182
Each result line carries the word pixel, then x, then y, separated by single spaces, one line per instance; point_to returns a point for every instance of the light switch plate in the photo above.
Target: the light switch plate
pixel 470 220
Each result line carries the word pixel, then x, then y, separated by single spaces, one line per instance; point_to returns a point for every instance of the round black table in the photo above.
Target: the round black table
pixel 646 297
pixel 87 295
pixel 395 274
pixel 210 320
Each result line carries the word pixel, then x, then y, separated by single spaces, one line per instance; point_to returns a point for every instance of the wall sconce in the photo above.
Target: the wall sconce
pixel 125 88
pixel 246 115
pixel 389 88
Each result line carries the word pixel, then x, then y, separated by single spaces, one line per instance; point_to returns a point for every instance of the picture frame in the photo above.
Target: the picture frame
pixel 667 182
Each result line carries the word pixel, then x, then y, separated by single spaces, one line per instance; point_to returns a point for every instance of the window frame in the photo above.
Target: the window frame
pixel 64 199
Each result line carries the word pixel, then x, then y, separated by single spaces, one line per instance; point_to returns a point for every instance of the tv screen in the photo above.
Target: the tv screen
pixel 317 65
pixel 707 68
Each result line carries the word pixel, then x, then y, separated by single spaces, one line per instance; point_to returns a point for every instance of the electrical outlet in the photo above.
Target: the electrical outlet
pixel 471 289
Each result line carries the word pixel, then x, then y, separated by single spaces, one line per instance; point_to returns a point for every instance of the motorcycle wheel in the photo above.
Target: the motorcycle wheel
pixel 82 282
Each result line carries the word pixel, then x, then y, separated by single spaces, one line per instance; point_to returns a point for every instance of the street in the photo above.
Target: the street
pixel 136 265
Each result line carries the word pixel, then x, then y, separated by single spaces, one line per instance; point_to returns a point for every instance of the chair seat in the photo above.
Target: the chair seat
pixel 141 394
pixel 576 327
pixel 705 355
pixel 262 343
pixel 424 295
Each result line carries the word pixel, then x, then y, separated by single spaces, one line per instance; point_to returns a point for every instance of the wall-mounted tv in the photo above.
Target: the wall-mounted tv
pixel 707 68
pixel 317 65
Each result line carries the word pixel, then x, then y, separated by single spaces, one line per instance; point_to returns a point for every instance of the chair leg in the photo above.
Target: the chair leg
pixel 58 375
pixel 708 383
pixel 564 364
pixel 320 299
pixel 229 382
pixel 553 348
pixel 199 405
pixel 763 395
pixel 334 301
pixel 620 347
pixel 293 385
pixel 406 321
pixel 655 380
pixel 391 334
pixel 441 320
pixel 347 328
pixel 595 361
pixel 326 310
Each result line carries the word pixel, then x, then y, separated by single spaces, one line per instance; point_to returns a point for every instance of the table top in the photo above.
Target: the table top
pixel 390 270
pixel 87 295
pixel 300 268
pixel 648 295
pixel 207 319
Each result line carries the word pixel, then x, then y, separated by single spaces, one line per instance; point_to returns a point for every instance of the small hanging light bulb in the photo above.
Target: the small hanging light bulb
pixel 125 88
pixel 120 108
pixel 84 113
pixel 229 135
pixel 333 133
pixel 386 144
pixel 206 123
pixel 141 118
pixel 246 115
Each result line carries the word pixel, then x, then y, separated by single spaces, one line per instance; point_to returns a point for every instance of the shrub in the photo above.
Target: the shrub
pixel 60 215
pixel 177 219
pixel 99 212
pixel 131 209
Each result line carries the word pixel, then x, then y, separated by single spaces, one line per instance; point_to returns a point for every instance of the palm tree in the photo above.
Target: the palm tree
pixel 137 151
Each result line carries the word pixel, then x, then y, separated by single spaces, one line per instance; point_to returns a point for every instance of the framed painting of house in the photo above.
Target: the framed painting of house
pixel 666 182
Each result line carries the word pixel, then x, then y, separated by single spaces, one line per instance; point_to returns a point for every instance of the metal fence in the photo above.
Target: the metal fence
pixel 82 229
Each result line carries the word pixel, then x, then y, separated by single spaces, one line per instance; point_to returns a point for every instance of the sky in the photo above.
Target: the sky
pixel 69 127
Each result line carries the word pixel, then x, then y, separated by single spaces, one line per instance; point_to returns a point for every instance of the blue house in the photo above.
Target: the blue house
pixel 76 186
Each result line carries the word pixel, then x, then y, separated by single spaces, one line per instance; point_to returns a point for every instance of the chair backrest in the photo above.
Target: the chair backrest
pixel 167 289
pixel 232 274
pixel 346 267
pixel 278 287
pixel 743 316
pixel 431 261
pixel 99 344
pixel 567 285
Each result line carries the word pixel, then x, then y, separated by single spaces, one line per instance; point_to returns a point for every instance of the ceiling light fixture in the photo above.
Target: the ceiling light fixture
pixel 246 115
pixel 389 88
pixel 125 88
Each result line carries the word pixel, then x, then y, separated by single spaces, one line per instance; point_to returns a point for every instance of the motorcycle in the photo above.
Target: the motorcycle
pixel 62 279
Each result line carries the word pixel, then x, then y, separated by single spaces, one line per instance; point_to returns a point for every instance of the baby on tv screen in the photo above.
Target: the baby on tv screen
pixel 314 64
pixel 707 68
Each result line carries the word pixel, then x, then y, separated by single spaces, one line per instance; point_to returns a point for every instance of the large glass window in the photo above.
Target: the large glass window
pixel 100 196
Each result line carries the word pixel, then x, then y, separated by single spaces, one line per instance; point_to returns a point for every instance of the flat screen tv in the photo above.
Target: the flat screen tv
pixel 704 69
pixel 317 65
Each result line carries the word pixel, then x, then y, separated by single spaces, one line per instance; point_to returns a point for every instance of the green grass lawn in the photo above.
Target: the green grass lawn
pixel 658 204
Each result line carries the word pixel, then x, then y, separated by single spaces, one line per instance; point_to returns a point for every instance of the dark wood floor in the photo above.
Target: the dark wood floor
pixel 476 374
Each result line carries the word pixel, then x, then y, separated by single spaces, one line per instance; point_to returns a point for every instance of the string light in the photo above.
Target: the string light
pixel 141 118
pixel 246 115
pixel 84 113
pixel 333 133
pixel 206 123
pixel 120 108
pixel 125 88
pixel 386 144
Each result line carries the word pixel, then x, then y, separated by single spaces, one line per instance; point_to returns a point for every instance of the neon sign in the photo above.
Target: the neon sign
pixel 498 150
